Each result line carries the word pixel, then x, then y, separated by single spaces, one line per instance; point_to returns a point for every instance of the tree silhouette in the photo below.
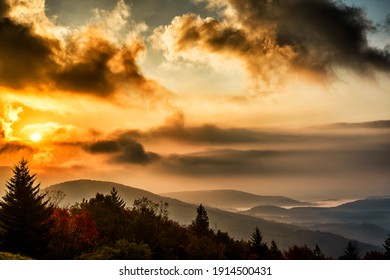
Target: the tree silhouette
pixel 72 234
pixel 274 252
pixel 201 223
pixel 116 199
pixel 299 253
pixel 24 215
pixel 108 212
pixel 259 247
pixel 318 253
pixel 387 247
pixel 351 252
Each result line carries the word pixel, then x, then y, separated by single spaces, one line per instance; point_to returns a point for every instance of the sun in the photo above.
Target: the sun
pixel 36 137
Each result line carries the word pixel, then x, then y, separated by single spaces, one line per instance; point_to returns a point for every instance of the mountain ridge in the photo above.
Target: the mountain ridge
pixel 235 198
pixel 238 226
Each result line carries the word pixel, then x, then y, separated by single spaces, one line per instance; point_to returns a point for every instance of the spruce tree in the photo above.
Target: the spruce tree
pixel 351 252
pixel 274 252
pixel 387 247
pixel 24 215
pixel 201 223
pixel 258 246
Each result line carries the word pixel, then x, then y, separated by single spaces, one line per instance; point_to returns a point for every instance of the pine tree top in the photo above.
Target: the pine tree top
pixel 24 214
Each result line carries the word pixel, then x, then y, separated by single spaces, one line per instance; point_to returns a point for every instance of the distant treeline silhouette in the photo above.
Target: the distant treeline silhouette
pixel 104 227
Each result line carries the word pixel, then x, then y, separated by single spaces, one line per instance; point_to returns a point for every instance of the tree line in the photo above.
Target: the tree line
pixel 103 227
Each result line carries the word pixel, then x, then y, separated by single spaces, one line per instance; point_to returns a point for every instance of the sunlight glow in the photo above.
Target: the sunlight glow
pixel 36 137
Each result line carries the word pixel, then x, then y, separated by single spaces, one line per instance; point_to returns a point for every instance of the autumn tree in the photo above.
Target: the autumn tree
pixel 24 215
pixel 72 234
pixel 108 212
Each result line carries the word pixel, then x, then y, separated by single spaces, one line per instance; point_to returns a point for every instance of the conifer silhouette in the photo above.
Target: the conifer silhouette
pixel 24 215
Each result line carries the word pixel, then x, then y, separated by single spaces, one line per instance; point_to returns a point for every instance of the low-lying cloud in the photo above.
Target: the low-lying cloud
pixel 122 150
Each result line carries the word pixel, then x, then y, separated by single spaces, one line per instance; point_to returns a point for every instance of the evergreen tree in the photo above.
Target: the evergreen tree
pixel 24 215
pixel 116 199
pixel 387 247
pixel 259 247
pixel 274 252
pixel 201 223
pixel 108 212
pixel 318 253
pixel 351 252
pixel 299 253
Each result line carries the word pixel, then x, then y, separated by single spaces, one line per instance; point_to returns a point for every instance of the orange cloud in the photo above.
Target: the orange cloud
pixel 96 60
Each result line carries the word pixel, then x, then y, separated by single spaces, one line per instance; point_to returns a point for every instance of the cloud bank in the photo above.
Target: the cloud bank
pixel 274 38
pixel 98 59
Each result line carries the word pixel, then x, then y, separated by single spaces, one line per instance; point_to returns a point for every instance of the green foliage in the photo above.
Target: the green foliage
pixel 108 212
pixel 152 226
pixel 10 256
pixel 147 207
pixel 24 215
pixel 122 250
pixel 103 228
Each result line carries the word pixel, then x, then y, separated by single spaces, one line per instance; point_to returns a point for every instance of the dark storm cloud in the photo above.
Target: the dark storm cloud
pixel 4 8
pixel 334 149
pixel 271 34
pixel 85 62
pixel 25 58
pixel 327 33
pixel 92 74
pixel 206 134
pixel 11 147
pixel 134 152
pixel 103 147
pixel 341 133
pixel 122 149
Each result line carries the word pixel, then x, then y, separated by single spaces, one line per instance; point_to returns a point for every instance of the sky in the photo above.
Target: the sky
pixel 272 97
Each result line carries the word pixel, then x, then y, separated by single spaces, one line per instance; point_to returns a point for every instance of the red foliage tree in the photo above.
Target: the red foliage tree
pixel 72 233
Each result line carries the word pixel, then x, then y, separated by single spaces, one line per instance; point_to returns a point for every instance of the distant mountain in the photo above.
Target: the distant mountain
pixel 366 220
pixel 232 199
pixel 370 204
pixel 237 225
pixel 365 232
pixel 77 190
pixel 373 124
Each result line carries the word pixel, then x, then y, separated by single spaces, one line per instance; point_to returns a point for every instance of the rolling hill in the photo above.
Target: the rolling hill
pixel 237 225
pixel 232 199
pixel 366 220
